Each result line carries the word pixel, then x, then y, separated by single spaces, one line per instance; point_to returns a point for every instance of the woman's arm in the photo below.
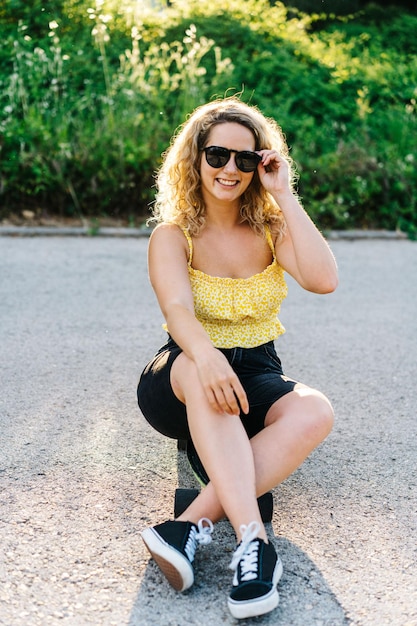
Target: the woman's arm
pixel 168 272
pixel 303 252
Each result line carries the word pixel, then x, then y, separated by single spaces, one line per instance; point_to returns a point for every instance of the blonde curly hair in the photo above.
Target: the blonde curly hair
pixel 179 198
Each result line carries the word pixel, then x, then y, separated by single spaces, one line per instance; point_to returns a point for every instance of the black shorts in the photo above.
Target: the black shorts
pixel 258 369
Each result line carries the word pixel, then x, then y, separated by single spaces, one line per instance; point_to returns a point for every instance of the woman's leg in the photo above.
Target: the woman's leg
pixel 295 425
pixel 225 451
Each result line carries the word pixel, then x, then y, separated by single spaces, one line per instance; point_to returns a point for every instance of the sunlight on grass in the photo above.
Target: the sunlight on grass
pixel 91 93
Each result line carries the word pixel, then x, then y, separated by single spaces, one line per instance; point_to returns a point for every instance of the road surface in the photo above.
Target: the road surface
pixel 81 472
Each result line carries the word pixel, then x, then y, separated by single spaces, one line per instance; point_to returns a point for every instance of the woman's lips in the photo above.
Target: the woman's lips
pixel 227 183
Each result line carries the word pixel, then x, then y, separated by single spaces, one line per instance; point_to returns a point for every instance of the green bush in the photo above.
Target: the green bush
pixel 90 97
pixel 79 142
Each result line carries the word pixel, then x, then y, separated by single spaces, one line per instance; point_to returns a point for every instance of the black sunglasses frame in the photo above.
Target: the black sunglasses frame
pixel 220 156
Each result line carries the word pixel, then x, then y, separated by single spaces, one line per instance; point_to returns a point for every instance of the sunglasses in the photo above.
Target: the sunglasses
pixel 245 160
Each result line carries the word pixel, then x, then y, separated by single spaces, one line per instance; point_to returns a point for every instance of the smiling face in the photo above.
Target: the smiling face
pixel 226 184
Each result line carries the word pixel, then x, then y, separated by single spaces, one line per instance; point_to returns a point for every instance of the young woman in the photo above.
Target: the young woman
pixel 229 226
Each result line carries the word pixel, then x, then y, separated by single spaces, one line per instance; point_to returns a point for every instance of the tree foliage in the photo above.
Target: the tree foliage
pixel 90 96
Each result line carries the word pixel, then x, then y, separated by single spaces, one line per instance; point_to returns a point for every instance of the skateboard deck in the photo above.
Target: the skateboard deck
pixel 184 497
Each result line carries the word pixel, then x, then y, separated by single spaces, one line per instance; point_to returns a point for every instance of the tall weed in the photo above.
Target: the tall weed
pixel 90 96
pixel 95 150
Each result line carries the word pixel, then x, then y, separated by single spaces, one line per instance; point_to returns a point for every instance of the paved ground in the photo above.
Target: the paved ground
pixel 81 472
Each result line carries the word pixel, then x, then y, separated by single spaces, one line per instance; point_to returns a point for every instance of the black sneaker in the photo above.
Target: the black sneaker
pixel 257 572
pixel 173 545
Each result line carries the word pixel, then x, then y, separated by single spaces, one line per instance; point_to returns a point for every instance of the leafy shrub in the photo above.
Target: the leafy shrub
pixel 90 97
pixel 93 150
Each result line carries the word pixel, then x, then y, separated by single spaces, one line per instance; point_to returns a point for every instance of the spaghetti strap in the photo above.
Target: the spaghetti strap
pixel 268 236
pixel 190 245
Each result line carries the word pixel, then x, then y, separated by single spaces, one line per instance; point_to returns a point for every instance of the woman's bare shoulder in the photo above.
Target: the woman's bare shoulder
pixel 168 232
pixel 168 237
pixel 166 228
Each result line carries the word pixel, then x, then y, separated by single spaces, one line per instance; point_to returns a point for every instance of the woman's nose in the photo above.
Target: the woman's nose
pixel 231 164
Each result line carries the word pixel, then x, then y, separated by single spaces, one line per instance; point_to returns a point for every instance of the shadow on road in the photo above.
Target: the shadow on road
pixel 305 596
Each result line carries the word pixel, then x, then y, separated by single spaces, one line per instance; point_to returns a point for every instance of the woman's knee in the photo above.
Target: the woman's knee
pixel 307 408
pixel 318 411
pixel 322 415
pixel 183 376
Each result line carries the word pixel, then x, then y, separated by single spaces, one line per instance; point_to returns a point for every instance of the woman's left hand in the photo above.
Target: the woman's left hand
pixel 302 252
pixel 273 172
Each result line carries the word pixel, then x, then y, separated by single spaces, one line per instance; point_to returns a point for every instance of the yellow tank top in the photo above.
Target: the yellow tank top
pixel 239 312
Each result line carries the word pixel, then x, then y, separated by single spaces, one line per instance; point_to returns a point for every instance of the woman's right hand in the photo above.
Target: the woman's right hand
pixel 220 383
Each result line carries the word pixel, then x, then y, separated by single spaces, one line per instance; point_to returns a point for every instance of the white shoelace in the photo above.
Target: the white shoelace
pixel 200 535
pixel 247 552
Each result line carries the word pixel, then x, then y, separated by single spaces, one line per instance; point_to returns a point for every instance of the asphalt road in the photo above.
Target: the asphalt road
pixel 81 472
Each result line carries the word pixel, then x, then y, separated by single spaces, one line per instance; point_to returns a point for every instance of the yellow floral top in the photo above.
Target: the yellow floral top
pixel 239 312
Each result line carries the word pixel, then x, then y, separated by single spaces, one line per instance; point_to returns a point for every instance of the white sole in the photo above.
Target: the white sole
pixel 258 606
pixel 176 568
